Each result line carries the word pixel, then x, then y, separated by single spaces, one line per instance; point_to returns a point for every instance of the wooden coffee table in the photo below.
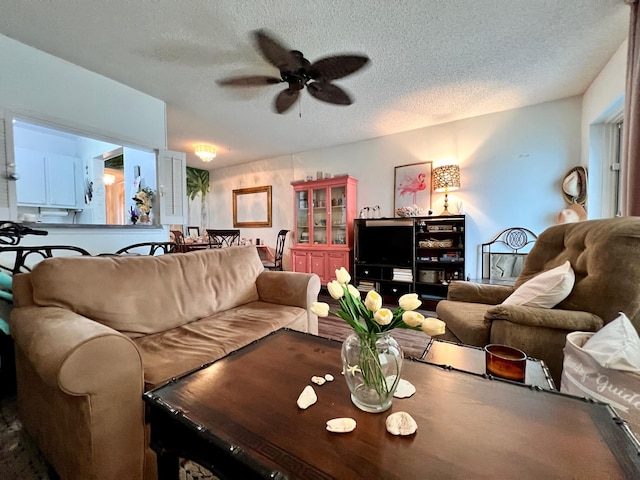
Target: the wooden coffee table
pixel 471 359
pixel 238 417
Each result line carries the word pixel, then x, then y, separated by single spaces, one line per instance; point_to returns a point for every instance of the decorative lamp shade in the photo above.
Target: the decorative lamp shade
pixel 446 178
pixel 206 152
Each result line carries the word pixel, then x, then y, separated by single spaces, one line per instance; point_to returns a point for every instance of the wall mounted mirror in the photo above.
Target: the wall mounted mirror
pixel 252 207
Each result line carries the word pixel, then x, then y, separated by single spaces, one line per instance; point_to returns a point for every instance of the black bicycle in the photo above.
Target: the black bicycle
pixel 11 232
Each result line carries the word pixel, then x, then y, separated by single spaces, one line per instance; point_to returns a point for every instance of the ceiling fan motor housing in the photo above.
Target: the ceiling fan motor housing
pixel 295 80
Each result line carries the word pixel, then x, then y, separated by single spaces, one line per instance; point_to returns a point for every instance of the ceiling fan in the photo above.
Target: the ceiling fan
pixel 298 72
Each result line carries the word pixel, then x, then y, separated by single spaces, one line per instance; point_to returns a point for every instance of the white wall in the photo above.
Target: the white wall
pixel 96 240
pixel 512 164
pixel 603 99
pixel 606 91
pixel 36 85
pixel 277 172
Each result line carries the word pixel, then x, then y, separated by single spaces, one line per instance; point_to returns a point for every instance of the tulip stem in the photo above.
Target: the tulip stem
pixel 371 368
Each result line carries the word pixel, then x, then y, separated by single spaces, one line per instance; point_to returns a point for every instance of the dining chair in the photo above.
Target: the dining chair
pixel 15 260
pixel 279 253
pixel 20 259
pixel 223 238
pixel 178 238
pixel 149 248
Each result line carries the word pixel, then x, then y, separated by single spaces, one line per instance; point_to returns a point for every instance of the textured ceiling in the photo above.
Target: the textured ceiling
pixel 432 61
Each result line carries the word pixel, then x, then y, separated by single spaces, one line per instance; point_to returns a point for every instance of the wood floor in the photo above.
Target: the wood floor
pixel 412 342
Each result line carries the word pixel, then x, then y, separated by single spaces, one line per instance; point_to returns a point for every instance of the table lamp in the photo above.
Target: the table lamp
pixel 446 178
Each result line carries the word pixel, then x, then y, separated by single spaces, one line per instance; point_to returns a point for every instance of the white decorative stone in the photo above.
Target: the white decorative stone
pixel 401 423
pixel 318 380
pixel 328 377
pixel 341 425
pixel 307 398
pixel 405 389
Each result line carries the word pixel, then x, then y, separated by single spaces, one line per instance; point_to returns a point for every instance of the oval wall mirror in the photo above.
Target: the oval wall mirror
pixel 574 186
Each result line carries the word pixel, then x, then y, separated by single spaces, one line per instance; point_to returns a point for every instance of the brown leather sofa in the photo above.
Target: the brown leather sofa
pixel 93 333
pixel 605 256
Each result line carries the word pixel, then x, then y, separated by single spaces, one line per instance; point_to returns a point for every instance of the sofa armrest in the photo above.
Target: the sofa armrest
pixel 540 332
pixel 462 291
pixel 570 320
pixel 53 338
pixel 80 386
pixel 291 288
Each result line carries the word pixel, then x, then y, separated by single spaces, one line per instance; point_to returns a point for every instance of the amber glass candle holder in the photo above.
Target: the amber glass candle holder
pixel 505 362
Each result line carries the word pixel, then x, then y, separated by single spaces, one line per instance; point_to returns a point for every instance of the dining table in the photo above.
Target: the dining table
pixel 190 245
pixel 266 253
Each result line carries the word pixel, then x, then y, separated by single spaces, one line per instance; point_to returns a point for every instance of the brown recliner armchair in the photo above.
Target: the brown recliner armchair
pixel 605 256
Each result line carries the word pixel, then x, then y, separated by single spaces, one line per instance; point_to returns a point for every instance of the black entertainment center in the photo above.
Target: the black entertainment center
pixel 419 255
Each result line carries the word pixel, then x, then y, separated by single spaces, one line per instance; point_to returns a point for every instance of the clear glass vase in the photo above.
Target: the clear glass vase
pixel 372 364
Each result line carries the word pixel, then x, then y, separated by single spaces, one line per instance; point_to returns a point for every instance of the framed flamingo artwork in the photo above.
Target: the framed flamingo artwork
pixel 412 189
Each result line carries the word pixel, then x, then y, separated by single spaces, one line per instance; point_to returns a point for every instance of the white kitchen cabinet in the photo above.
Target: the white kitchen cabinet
pixel 48 180
pixel 31 188
pixel 64 173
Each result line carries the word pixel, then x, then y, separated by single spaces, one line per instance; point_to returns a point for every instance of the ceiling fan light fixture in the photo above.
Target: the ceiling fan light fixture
pixel 109 179
pixel 205 152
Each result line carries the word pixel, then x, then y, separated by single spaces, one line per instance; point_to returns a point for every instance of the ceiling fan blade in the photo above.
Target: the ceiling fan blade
pixel 286 99
pixel 273 51
pixel 338 66
pixel 248 81
pixel 330 93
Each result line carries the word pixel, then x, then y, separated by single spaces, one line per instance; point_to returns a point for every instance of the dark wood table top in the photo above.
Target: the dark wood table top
pixel 472 359
pixel 196 245
pixel 239 416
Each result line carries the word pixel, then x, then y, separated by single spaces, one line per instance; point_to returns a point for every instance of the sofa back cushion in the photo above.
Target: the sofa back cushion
pixel 140 295
pixel 604 256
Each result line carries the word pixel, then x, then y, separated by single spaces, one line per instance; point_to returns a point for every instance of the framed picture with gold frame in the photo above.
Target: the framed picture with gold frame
pixel 252 207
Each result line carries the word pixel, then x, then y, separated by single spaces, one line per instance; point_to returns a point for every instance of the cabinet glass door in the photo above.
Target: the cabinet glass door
pixel 338 216
pixel 302 217
pixel 319 216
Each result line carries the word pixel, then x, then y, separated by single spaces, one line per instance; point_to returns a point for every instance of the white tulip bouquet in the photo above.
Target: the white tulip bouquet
pixel 370 316
pixel 371 321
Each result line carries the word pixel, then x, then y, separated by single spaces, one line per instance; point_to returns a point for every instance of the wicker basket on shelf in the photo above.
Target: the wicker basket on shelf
pixel 445 243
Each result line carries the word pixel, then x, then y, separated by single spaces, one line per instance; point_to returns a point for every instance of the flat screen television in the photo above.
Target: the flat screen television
pixel 385 242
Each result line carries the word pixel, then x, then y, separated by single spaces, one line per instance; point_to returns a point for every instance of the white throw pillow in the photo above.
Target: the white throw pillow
pixel 546 289
pixel 616 345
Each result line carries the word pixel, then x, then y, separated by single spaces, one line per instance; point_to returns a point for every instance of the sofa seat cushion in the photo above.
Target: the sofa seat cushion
pixel 142 295
pixel 466 321
pixel 176 351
